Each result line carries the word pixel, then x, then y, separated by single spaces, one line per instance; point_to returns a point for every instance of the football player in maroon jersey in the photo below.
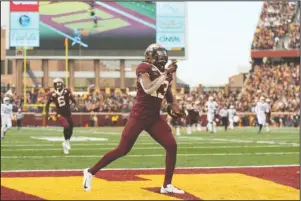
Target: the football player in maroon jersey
pixel 61 97
pixel 153 85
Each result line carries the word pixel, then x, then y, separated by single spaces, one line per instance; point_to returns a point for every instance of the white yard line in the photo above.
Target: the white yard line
pixel 146 148
pixel 102 144
pixel 155 155
pixel 178 168
pixel 243 141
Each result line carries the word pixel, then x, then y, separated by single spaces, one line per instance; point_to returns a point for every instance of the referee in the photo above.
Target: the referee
pixel 224 115
pixel 19 118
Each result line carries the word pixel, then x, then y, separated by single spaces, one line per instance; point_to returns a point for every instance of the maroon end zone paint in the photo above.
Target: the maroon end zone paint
pixel 10 194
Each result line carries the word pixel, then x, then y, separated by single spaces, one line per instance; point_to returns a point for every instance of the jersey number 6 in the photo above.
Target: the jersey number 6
pixel 61 101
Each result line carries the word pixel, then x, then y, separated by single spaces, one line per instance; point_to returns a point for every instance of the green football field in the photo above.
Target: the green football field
pixel 41 149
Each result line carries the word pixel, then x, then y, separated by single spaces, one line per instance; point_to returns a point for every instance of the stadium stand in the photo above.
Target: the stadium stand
pixel 274 23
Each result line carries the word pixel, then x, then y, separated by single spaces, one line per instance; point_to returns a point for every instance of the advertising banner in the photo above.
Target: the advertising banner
pixel 171 19
pixel 24 24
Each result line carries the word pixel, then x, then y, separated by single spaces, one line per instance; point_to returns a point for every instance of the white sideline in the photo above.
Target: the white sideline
pixel 156 155
pixel 148 148
pixel 178 168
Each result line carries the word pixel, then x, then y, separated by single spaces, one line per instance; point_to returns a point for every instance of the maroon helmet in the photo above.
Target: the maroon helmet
pixel 156 55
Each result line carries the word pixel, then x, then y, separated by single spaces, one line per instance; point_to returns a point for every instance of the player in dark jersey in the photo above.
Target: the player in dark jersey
pixel 176 120
pixel 192 118
pixel 153 85
pixel 62 97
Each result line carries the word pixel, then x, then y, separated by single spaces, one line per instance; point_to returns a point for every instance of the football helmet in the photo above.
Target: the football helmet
pixel 156 55
pixel 58 84
pixel 6 100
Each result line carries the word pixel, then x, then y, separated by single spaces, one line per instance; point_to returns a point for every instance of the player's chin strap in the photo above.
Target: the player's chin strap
pixel 59 93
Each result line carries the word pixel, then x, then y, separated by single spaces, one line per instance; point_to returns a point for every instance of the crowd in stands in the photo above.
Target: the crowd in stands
pixel 294 36
pixel 278 82
pixel 104 102
pixel 274 23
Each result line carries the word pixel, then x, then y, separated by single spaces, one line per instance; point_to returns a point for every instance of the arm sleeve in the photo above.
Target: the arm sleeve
pixel 149 86
pixel 169 96
pixel 11 111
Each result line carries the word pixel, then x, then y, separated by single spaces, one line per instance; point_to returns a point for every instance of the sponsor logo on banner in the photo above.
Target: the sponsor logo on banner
pixel 167 24
pixel 170 9
pixel 24 20
pixel 171 40
pixel 24 38
pixel 23 6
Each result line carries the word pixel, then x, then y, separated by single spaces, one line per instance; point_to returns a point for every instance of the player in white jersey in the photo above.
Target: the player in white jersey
pixel 260 110
pixel 211 107
pixel 268 114
pixel 231 113
pixel 6 115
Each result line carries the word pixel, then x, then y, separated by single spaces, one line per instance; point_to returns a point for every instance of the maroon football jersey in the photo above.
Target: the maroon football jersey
pixel 148 106
pixel 61 101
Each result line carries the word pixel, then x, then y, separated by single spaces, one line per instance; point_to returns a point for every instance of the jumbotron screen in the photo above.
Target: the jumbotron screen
pixel 97 28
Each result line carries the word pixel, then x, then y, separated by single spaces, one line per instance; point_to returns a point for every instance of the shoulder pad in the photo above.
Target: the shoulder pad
pixel 143 68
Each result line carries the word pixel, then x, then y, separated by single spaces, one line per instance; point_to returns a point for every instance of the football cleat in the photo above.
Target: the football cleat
pixel 171 189
pixel 87 182
pixel 67 143
pixel 65 149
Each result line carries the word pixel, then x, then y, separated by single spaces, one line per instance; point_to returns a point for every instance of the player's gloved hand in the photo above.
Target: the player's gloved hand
pixel 76 109
pixel 174 111
pixel 172 68
pixel 169 78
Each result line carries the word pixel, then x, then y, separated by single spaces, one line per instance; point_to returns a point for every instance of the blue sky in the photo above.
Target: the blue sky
pixel 219 38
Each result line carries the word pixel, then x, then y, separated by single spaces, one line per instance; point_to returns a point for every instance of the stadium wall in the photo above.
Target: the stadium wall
pixel 119 119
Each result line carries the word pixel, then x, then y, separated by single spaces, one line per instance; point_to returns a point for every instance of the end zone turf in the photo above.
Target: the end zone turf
pixel 267 183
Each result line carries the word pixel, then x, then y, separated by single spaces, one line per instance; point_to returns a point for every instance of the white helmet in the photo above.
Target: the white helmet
pixel 261 98
pixel 6 100
pixel 268 100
